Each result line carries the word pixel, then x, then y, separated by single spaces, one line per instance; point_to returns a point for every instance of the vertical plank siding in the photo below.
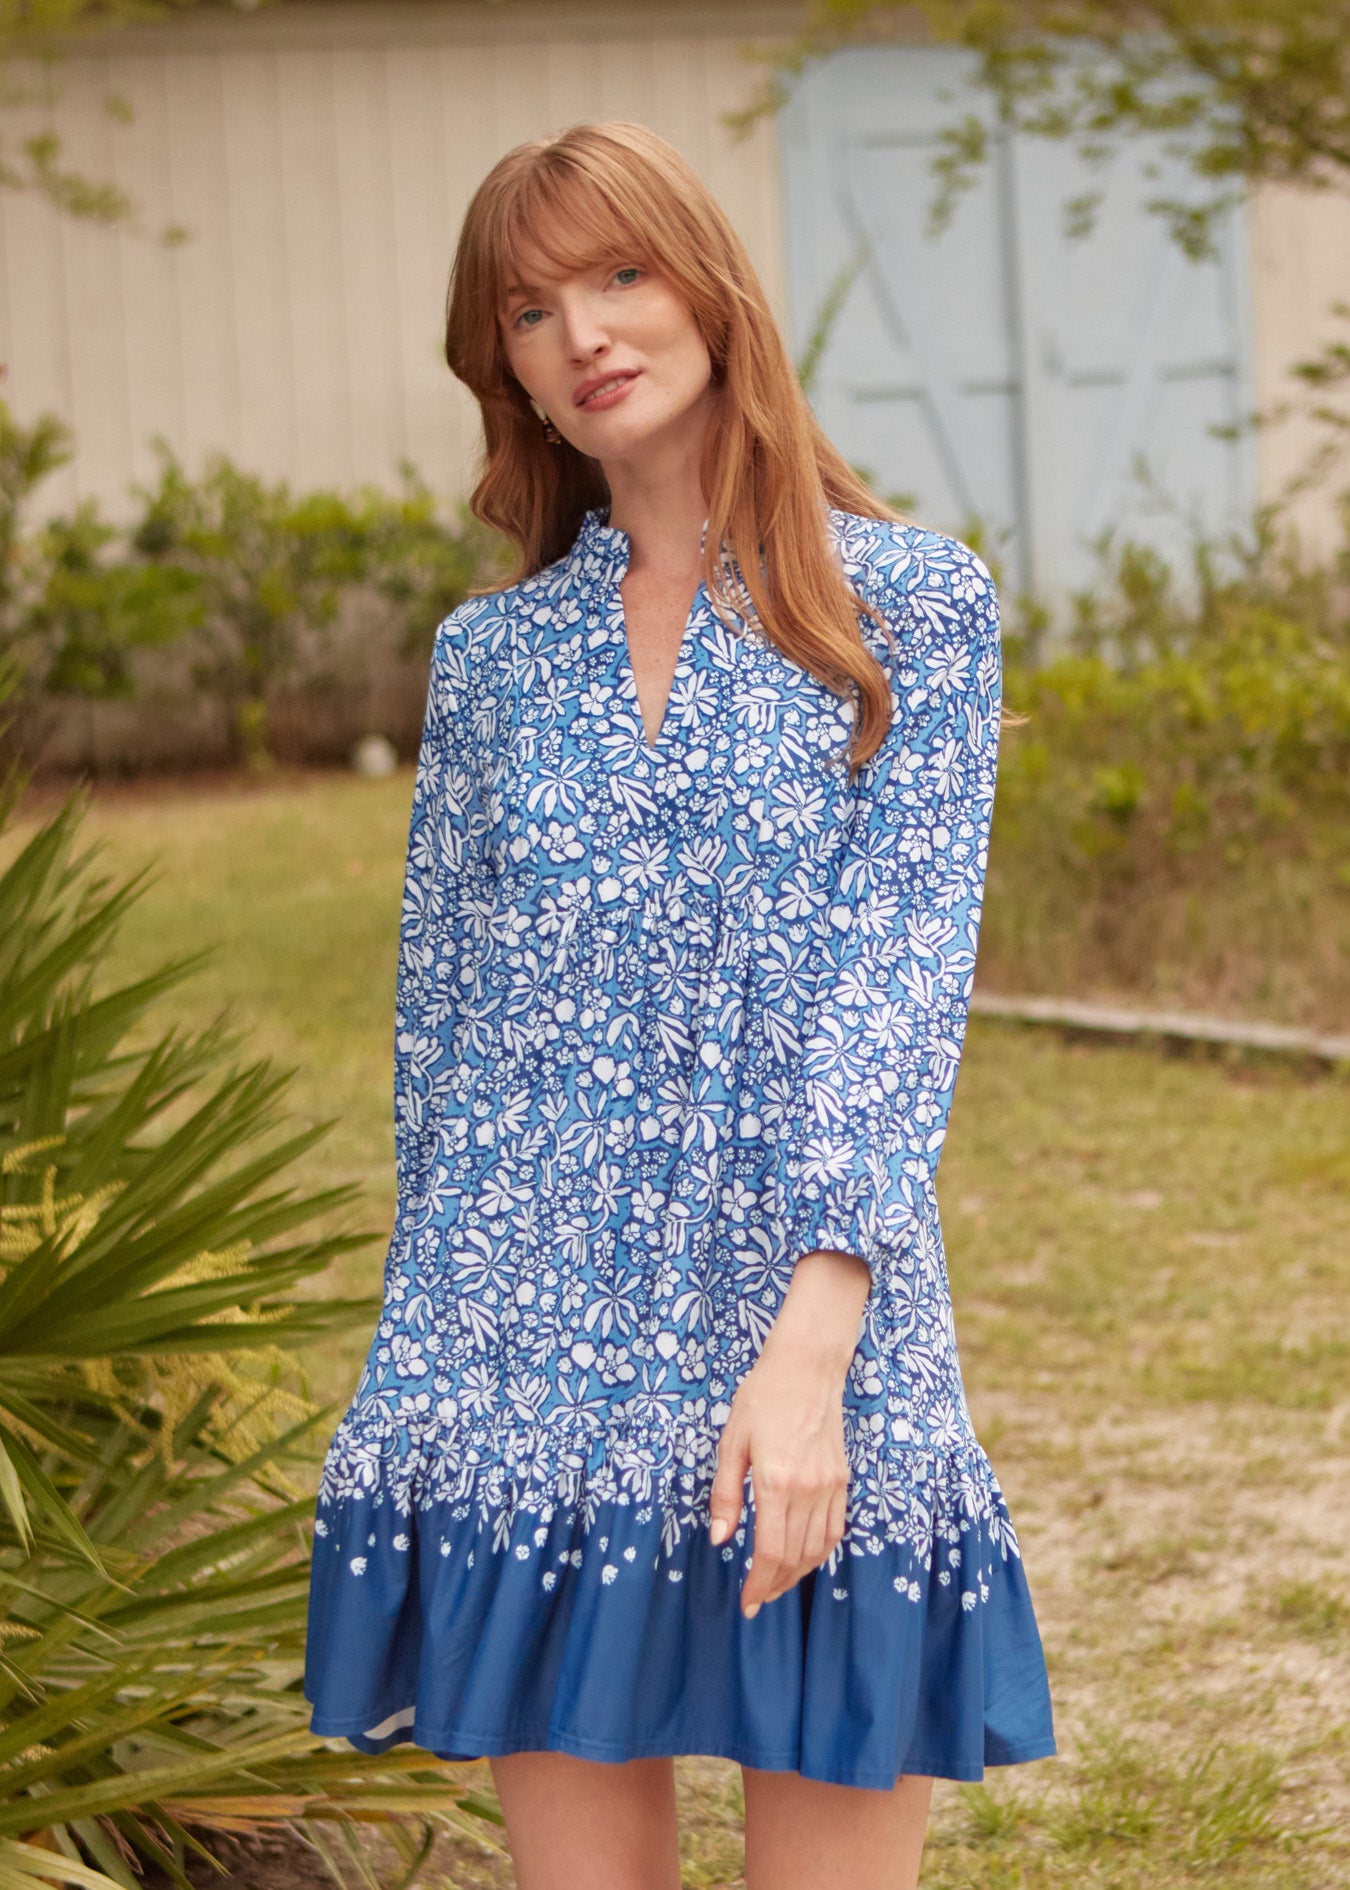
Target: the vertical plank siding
pixel 1300 245
pixel 321 161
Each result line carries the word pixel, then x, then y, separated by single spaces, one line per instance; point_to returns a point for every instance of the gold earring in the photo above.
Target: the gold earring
pixel 551 433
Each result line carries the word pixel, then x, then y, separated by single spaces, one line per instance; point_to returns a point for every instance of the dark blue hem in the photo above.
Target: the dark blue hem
pixel 464 1747
pixel 603 1644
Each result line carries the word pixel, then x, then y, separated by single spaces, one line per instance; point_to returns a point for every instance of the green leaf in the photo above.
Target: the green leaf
pixel 152 1590
pixel 11 1489
pixel 26 1867
pixel 48 1503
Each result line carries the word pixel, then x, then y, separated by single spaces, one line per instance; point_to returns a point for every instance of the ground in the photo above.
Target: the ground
pixel 1150 1257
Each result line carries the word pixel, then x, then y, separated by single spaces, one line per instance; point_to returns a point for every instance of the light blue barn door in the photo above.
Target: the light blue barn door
pixel 1001 372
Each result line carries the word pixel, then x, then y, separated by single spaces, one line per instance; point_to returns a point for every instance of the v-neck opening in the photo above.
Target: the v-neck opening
pixel 685 652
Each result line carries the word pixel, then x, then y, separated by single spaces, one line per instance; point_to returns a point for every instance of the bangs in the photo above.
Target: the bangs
pixel 564 219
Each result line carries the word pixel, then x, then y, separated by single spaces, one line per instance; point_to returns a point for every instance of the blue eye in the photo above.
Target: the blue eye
pixel 527 318
pixel 626 277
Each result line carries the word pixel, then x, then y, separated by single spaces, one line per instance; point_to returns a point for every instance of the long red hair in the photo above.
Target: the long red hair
pixel 617 191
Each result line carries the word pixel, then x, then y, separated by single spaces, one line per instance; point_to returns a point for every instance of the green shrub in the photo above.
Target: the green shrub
pixel 267 567
pixel 1180 720
pixel 246 576
pixel 74 605
pixel 1171 810
pixel 93 611
pixel 271 569
pixel 420 566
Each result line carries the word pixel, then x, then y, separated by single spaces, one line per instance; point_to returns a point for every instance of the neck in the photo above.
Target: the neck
pixel 658 501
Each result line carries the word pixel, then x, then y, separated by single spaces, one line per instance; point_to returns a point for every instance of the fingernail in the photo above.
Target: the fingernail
pixel 752 1611
pixel 721 1529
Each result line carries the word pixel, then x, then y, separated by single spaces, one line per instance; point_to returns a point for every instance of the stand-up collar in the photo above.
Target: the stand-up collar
pixel 600 552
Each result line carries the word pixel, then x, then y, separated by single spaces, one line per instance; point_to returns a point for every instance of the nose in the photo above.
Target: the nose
pixel 585 333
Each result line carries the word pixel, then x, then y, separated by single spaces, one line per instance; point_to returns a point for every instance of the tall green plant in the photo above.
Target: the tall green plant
pixel 155 1440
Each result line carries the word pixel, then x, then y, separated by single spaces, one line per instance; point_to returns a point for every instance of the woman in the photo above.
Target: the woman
pixel 661 1446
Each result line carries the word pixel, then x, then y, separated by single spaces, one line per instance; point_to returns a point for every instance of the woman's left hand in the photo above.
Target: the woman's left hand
pixel 786 1427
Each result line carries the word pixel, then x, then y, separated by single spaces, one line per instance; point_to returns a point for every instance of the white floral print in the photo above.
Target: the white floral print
pixel 669 1017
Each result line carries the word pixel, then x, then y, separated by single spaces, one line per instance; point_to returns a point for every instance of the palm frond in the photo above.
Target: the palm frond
pixel 156 1442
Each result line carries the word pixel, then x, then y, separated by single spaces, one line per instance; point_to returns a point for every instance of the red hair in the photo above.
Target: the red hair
pixel 609 192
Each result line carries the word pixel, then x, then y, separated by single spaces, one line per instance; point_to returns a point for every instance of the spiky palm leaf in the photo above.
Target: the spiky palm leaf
pixel 154 1441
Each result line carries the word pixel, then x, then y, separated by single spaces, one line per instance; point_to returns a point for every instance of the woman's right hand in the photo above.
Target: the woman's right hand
pixel 786 1428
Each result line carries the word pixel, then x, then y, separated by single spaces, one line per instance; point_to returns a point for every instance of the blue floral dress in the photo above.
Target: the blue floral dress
pixel 669 1017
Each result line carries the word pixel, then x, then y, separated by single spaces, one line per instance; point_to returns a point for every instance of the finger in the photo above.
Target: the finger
pixel 838 1521
pixel 728 1490
pixel 817 1545
pixel 810 1550
pixel 767 1557
pixel 797 1522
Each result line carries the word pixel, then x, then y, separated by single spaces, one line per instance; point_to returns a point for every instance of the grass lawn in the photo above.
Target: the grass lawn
pixel 1150 1258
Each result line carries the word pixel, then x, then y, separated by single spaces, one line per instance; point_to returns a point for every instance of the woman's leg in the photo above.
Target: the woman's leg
pixel 803 1835
pixel 580 1824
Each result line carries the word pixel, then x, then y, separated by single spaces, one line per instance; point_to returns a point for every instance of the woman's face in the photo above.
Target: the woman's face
pixel 611 354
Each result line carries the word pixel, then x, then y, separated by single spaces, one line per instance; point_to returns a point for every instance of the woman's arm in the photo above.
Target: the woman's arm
pixel 787 1425
pixel 878 1067
pixel 879 1061
pixel 447 875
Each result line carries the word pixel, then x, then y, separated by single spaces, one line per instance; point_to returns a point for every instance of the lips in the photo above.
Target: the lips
pixel 599 389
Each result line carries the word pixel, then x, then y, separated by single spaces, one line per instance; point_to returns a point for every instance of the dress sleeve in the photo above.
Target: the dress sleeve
pixel 884 1036
pixel 444 906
